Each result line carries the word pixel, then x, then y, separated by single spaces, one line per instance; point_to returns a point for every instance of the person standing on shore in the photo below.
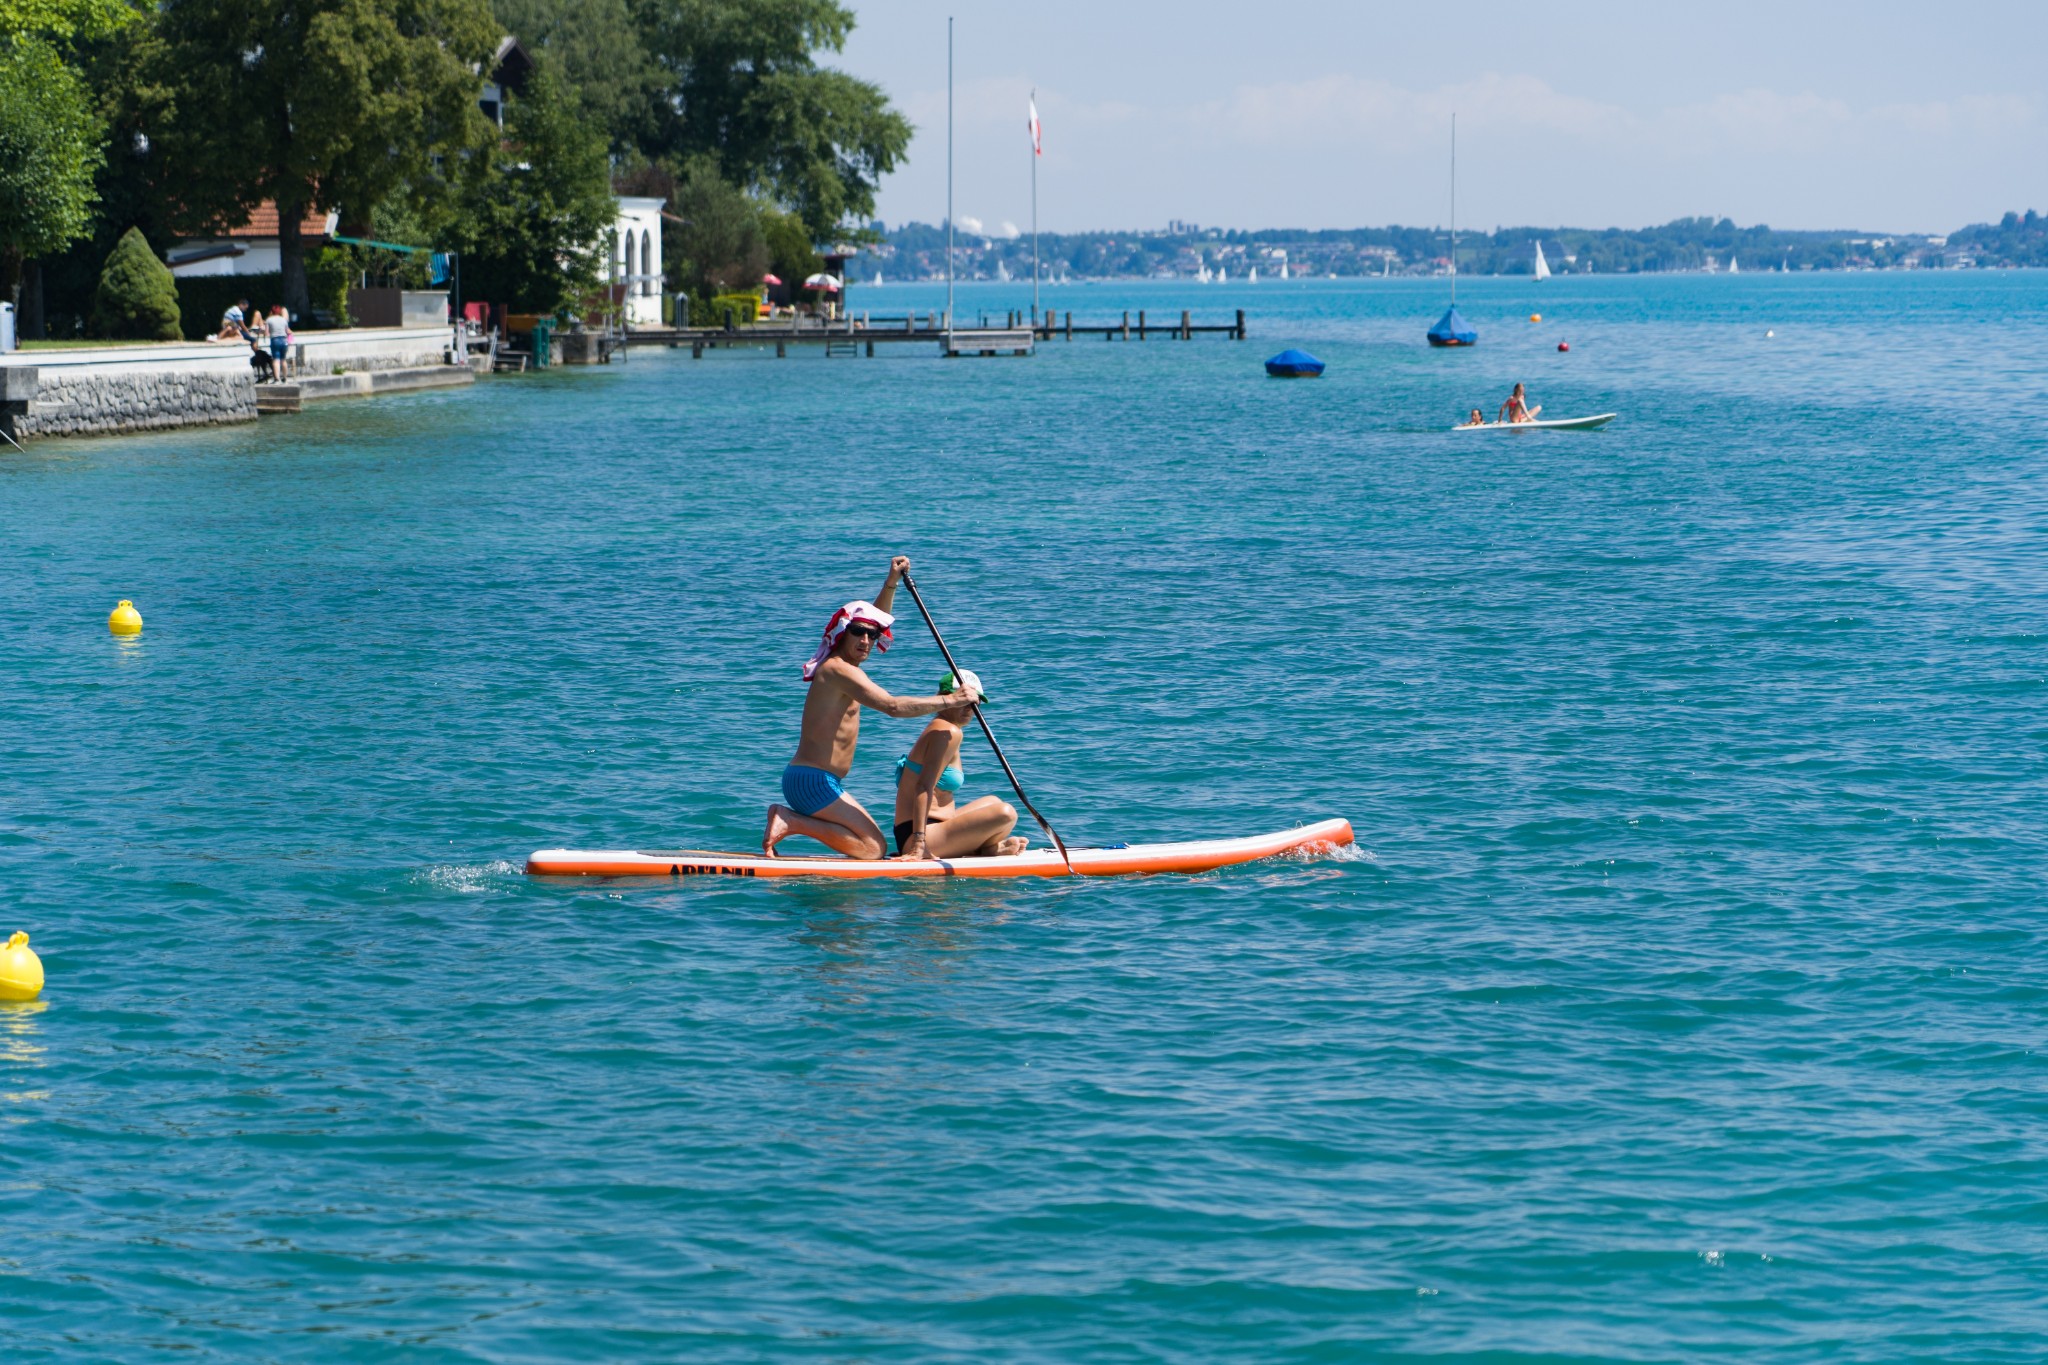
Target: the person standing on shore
pixel 818 805
pixel 279 327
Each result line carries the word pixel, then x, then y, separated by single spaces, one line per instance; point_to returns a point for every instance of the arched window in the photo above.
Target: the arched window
pixel 647 262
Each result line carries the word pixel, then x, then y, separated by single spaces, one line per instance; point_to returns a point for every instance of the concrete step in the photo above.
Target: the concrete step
pixel 293 396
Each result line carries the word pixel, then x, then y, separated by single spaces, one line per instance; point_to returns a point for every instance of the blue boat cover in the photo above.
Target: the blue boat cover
pixel 1454 330
pixel 1294 363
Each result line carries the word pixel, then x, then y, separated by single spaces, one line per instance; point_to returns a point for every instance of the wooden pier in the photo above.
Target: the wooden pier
pixel 1052 326
pixel 1014 335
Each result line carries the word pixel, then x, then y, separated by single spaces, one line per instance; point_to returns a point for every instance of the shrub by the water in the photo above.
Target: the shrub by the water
pixel 137 298
pixel 743 306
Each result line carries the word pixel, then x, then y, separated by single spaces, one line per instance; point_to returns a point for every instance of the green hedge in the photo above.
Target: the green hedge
pixel 203 298
pixel 744 309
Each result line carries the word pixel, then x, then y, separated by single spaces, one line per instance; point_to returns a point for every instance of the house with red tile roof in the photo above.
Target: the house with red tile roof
pixel 251 248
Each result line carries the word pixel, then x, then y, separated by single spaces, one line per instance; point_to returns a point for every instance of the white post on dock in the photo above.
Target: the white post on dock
pixel 949 179
pixel 1035 154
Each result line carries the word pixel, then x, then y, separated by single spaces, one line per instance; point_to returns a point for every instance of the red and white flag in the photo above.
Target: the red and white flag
pixel 1036 150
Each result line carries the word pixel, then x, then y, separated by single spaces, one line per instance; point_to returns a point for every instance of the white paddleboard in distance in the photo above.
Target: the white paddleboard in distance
pixel 1557 424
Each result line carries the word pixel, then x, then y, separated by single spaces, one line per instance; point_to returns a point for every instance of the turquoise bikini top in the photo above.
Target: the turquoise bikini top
pixel 951 780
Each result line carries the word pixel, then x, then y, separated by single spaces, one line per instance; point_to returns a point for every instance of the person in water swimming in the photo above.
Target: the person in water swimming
pixel 1517 408
pixel 929 824
pixel 1477 419
pixel 819 806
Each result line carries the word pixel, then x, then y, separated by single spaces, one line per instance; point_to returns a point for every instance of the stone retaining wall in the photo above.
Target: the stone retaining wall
pixel 98 404
pixel 98 390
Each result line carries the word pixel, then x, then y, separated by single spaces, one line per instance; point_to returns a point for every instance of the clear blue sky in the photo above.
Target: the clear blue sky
pixel 1906 117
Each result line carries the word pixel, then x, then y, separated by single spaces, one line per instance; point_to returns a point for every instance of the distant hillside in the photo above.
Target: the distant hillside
pixel 2016 239
pixel 917 250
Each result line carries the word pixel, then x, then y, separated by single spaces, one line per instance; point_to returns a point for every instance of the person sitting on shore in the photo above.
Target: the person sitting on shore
pixel 819 807
pixel 929 824
pixel 1477 419
pixel 1517 408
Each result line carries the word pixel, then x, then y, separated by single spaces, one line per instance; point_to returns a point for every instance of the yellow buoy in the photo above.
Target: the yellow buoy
pixel 21 971
pixel 124 619
pixel 1535 317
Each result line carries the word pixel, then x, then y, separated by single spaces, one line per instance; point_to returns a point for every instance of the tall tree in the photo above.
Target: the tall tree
pixel 529 216
pixel 49 148
pixel 64 21
pixel 741 85
pixel 719 247
pixel 596 50
pixel 314 104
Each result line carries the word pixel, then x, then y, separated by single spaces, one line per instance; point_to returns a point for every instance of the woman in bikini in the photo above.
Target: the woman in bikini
pixel 928 822
pixel 1517 408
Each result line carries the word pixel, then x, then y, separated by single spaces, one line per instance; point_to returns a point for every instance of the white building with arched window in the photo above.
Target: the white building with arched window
pixel 636 259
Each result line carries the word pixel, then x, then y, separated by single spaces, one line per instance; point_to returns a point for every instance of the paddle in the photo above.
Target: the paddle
pixel 1007 770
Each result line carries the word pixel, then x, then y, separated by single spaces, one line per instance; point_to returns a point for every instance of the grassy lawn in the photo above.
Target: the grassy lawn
pixel 91 345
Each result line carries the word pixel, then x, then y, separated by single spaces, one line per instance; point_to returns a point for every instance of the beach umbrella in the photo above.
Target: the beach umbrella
pixel 771 279
pixel 821 280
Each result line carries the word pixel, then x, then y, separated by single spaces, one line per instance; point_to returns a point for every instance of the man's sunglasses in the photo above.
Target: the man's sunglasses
pixel 860 633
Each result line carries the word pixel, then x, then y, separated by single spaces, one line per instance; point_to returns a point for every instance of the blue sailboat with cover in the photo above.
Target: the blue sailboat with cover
pixel 1451 329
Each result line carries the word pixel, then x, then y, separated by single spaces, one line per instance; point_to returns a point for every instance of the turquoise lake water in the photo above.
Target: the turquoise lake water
pixel 1685 998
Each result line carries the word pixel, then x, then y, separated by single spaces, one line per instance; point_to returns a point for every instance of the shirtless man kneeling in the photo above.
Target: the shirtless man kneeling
pixel 818 805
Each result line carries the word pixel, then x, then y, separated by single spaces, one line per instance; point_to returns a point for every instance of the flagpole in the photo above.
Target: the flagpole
pixel 1034 206
pixel 1454 205
pixel 949 175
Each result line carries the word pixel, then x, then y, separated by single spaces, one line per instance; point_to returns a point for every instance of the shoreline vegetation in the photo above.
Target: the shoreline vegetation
pixel 369 143
pixel 917 251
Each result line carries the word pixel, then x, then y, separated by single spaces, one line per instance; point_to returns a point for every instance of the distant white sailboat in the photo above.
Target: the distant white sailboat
pixel 1733 268
pixel 878 277
pixel 1002 271
pixel 1283 270
pixel 1252 278
pixel 1542 266
pixel 1222 274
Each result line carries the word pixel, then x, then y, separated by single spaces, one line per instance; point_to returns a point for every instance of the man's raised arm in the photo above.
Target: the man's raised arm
pixel 886 598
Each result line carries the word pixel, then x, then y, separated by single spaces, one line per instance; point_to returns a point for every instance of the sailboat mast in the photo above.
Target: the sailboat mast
pixel 1034 206
pixel 949 173
pixel 1454 210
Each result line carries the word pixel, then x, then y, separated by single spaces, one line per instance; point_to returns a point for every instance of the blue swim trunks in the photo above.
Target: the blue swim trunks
pixel 809 790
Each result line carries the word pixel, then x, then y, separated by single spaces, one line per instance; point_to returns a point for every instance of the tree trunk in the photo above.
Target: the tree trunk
pixel 28 321
pixel 291 255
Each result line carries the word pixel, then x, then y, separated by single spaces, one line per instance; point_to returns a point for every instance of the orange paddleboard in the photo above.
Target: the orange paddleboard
pixel 1199 856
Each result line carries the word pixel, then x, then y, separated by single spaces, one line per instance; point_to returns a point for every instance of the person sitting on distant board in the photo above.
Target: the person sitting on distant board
pixel 1477 419
pixel 819 807
pixel 929 823
pixel 1517 408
